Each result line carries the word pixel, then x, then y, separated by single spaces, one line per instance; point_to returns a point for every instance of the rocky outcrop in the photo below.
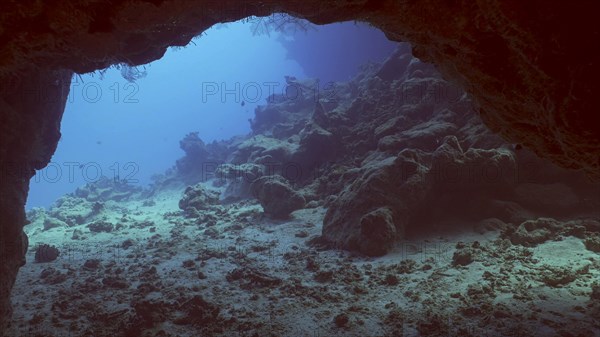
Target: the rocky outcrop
pixel 276 196
pixel 366 212
pixel 406 184
pixel 317 145
pixel 105 189
pixel 200 159
pixel 532 233
pixel 283 118
pixel 30 111
pixel 265 150
pixel 72 210
pixel 195 154
pixel 239 180
pixel 198 198
pixel 377 231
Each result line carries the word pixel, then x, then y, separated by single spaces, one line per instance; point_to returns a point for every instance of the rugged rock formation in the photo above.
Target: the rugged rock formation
pixel 107 189
pixel 30 111
pixel 239 179
pixel 405 184
pixel 261 149
pixel 365 216
pixel 520 61
pixel 72 210
pixel 200 159
pixel 197 198
pixel 391 152
pixel 276 196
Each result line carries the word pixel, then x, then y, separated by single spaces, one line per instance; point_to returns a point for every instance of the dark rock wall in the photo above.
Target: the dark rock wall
pixel 30 113
pixel 531 66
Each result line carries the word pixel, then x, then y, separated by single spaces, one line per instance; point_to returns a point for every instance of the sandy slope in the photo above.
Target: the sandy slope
pixel 247 275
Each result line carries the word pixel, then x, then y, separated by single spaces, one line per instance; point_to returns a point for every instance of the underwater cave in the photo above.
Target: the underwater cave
pixel 299 168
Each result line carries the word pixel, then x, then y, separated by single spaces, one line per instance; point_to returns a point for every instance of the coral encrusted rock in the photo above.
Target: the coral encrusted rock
pixel 197 198
pixel 276 196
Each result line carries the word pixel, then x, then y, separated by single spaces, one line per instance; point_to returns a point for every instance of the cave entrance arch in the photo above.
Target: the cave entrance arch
pixel 528 100
pixel 92 91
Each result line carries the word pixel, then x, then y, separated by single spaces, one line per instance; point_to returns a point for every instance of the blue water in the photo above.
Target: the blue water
pixel 113 127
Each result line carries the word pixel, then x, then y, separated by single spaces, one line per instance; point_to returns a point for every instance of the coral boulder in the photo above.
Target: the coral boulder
pixel 276 196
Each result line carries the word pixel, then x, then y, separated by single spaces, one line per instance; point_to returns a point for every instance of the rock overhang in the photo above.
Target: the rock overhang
pixel 522 63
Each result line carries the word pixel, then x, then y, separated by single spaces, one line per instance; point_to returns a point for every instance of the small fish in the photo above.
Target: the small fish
pixel 99 142
pixel 243 103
